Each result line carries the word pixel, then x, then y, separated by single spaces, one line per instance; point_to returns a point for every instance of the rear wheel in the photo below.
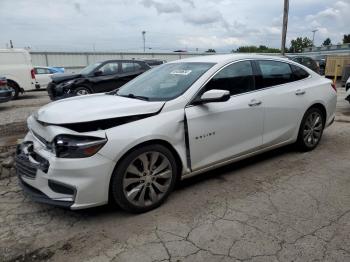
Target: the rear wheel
pixel 144 178
pixel 14 89
pixel 81 91
pixel 311 129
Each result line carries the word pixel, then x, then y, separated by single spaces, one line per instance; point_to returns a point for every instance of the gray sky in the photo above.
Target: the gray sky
pixel 116 25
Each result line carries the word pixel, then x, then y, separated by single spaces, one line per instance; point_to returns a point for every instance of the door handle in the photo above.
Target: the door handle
pixel 300 92
pixel 255 103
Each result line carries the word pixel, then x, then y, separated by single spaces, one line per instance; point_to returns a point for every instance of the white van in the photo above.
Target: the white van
pixel 16 66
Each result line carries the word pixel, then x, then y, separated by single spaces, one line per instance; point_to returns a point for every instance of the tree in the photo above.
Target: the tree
pixel 327 42
pixel 210 50
pixel 256 49
pixel 297 45
pixel 346 39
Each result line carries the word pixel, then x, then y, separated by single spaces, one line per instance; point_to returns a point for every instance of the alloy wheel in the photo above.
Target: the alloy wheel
pixel 82 92
pixel 147 179
pixel 313 129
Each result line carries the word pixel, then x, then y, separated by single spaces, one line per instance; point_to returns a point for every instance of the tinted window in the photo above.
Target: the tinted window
pixel 109 68
pixel 275 73
pixel 237 78
pixel 299 73
pixel 128 67
pixel 137 66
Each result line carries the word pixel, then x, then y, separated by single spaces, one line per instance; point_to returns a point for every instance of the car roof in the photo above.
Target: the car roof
pixel 122 60
pixel 228 58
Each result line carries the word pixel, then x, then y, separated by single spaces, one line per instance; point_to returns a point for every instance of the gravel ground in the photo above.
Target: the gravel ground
pixel 19 110
pixel 279 206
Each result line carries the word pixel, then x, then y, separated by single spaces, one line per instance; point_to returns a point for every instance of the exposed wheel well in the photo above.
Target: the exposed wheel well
pixel 322 108
pixel 15 83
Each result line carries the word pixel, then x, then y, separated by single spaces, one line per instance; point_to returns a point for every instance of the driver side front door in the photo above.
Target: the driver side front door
pixel 220 131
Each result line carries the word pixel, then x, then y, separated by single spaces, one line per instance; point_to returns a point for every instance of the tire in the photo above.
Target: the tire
pixel 80 91
pixel 137 189
pixel 311 129
pixel 15 88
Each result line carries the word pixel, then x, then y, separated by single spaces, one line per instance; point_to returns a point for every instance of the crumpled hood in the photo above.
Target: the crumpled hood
pixel 94 107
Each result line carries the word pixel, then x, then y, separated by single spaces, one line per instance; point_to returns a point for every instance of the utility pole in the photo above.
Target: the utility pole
pixel 313 36
pixel 144 40
pixel 285 25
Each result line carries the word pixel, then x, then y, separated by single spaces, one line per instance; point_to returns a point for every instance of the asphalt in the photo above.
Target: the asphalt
pixel 280 206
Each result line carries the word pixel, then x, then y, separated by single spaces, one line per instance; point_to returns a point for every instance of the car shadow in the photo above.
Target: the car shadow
pixel 216 174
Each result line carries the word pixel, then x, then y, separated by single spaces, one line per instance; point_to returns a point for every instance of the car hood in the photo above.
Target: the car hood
pixel 58 78
pixel 94 107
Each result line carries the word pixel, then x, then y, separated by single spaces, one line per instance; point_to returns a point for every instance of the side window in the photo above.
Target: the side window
pixel 275 73
pixel 109 68
pixel 299 73
pixel 128 67
pixel 298 60
pixel 237 78
pixel 137 66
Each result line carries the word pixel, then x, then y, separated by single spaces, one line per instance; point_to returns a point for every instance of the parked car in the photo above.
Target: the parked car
pixel 347 89
pixel 43 75
pixel 5 92
pixel 96 78
pixel 177 120
pixel 57 69
pixel 154 62
pixel 321 62
pixel 306 61
pixel 16 66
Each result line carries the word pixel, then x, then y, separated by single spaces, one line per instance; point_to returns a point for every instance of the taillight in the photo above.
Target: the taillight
pixel 32 73
pixel 334 87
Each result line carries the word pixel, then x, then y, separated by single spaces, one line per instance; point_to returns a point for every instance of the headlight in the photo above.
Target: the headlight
pixel 70 146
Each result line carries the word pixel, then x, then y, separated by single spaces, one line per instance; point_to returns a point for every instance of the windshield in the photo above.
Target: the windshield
pixel 87 70
pixel 165 82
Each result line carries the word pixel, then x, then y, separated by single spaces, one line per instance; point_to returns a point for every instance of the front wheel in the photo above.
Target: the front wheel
pixel 144 178
pixel 311 129
pixel 81 91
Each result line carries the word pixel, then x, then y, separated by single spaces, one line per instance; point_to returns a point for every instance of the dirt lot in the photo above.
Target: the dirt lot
pixel 280 206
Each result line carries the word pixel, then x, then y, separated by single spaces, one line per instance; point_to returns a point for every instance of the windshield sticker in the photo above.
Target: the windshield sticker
pixel 181 72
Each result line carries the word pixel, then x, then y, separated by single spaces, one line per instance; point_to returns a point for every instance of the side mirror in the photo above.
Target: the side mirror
pixel 214 95
pixel 98 73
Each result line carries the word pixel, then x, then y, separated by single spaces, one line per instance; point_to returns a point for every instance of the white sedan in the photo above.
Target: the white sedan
pixel 130 146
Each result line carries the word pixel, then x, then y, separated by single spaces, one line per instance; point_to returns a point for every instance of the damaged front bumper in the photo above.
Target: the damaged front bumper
pixel 69 183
